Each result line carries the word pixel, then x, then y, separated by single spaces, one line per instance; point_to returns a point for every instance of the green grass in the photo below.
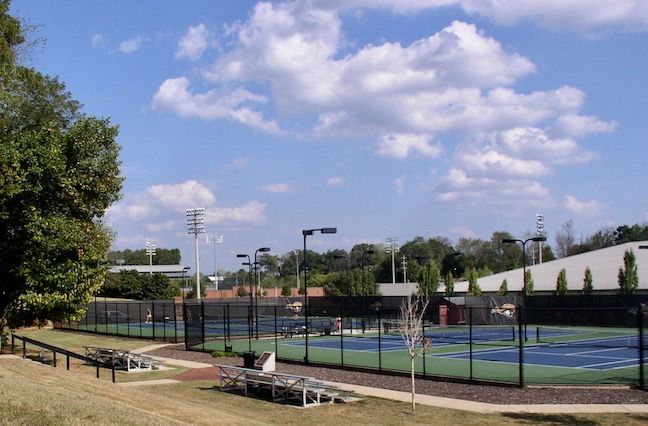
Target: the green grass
pixel 33 394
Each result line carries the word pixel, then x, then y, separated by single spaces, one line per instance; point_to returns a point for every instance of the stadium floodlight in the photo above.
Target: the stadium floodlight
pixel 215 239
pixel 305 233
pixel 150 251
pixel 195 226
pixel 392 248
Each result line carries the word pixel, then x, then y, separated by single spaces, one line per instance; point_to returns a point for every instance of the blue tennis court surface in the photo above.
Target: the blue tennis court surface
pixel 595 354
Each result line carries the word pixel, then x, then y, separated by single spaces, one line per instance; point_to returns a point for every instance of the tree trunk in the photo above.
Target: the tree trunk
pixel 413 389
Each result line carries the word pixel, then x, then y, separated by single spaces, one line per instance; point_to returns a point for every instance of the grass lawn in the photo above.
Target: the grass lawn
pixel 76 342
pixel 36 394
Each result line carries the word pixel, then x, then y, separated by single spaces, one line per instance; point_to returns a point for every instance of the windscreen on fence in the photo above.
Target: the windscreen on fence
pixel 486 339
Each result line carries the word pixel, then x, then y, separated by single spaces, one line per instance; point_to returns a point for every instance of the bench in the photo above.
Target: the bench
pixel 122 360
pixel 282 387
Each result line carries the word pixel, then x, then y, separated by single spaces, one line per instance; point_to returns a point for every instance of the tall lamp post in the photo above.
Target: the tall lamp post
pixel 305 233
pixel 215 239
pixel 257 273
pixel 249 265
pixel 297 267
pixel 195 226
pixel 523 242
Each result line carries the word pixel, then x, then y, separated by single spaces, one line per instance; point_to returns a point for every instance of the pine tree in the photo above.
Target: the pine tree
pixel 588 287
pixel 561 283
pixel 528 280
pixel 503 290
pixel 449 284
pixel 628 277
pixel 473 286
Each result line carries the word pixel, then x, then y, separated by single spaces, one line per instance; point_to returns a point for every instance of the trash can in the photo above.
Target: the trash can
pixel 248 359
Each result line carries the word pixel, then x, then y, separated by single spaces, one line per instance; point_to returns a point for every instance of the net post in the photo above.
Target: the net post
pixel 470 341
pixel 521 350
pixel 641 347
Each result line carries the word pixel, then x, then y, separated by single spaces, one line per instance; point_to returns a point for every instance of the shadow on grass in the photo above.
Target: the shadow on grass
pixel 561 419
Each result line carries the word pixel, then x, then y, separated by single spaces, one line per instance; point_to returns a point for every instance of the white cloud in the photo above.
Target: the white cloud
pixel 581 125
pixel 335 181
pixel 278 188
pixel 252 212
pixel 400 145
pixel 583 16
pixel 97 40
pixel 167 225
pixel 131 46
pixel 399 184
pixel 185 195
pixel 462 232
pixel 194 43
pixel 174 95
pixel 589 208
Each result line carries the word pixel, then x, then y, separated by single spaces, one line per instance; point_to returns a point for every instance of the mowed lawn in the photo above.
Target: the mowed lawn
pixel 35 394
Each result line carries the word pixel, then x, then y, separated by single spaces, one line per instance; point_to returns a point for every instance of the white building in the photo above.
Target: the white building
pixel 604 264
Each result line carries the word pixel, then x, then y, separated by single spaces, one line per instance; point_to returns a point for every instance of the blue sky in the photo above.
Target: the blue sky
pixel 382 118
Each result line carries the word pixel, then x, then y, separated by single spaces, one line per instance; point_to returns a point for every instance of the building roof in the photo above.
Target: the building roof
pixel 603 263
pixel 171 271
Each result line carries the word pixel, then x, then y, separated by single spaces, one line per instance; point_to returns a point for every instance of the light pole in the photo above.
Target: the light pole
pixel 150 251
pixel 305 233
pixel 249 265
pixel 523 242
pixel 368 251
pixel 215 239
pixel 392 248
pixel 195 226
pixel 297 267
pixel 257 273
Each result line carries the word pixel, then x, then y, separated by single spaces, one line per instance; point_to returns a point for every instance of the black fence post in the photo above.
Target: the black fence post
pixel 275 332
pixel 341 330
pixel 641 347
pixel 521 340
pixel 67 361
pixel 379 343
pixel 175 323
pixel 153 317
pixel 202 324
pixel 470 341
pixel 186 325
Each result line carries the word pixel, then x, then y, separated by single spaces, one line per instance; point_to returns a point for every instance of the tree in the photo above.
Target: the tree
pixel 286 290
pixel 411 329
pixel 449 284
pixel 59 172
pixel 628 277
pixel 588 287
pixel 565 239
pixel 429 279
pixel 528 283
pixel 473 285
pixel 503 290
pixel 561 283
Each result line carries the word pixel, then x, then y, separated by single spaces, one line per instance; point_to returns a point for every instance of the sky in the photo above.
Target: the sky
pixel 383 118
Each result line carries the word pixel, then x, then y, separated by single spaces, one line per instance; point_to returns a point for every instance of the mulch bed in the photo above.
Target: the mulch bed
pixel 491 394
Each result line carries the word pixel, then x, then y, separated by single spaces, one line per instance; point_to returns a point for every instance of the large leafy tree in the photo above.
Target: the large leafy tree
pixel 59 171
